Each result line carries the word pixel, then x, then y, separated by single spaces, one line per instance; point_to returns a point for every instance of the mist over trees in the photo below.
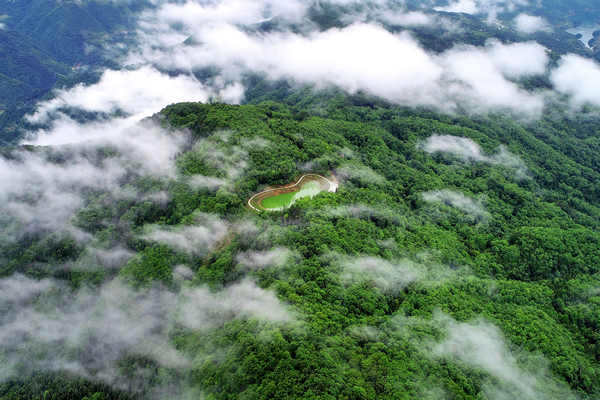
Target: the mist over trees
pixel 459 257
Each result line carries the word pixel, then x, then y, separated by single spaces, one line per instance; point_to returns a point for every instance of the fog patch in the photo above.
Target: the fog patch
pixel 359 174
pixel 209 182
pixel 160 197
pixel 224 162
pixel 469 151
pixel 481 345
pixel 390 277
pixel 89 332
pixel 202 309
pixel 491 8
pixel 21 288
pixel 530 24
pixel 85 332
pixel 578 78
pixel 263 259
pixel 183 272
pixel 197 239
pixel 365 333
pixel 107 259
pixel 458 200
pixel 41 190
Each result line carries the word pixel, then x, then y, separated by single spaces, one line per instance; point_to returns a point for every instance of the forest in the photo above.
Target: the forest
pixel 459 258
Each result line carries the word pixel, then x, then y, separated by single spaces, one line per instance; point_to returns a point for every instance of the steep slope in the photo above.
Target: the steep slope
pixel 25 62
pixel 43 41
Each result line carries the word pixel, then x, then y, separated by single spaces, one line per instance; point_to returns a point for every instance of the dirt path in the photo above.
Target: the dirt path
pixel 332 188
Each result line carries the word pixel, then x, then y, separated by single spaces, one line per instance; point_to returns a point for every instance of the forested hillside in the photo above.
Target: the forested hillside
pixel 459 258
pixel 43 42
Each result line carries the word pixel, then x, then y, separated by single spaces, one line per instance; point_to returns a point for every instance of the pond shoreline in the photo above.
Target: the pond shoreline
pixel 331 187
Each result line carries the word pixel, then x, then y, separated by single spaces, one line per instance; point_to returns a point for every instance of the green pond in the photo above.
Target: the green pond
pixel 281 201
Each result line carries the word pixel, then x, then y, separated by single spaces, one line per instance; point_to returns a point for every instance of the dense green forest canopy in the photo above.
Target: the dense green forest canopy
pixel 459 257
pixel 449 238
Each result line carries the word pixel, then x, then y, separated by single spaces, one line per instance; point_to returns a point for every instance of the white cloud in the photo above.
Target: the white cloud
pixel 40 195
pixel 479 75
pixel 518 59
pixel 578 78
pixel 359 173
pixel 460 6
pixel 45 326
pixel 390 277
pixel 194 13
pixel 361 56
pixel 138 92
pixel 530 24
pixel 408 19
pixel 469 151
pixel 458 200
pixel 263 259
pixel 488 7
pixel 197 239
pixel 481 344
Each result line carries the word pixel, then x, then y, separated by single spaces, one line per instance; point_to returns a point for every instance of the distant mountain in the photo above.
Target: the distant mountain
pixel 46 40
pixel 26 64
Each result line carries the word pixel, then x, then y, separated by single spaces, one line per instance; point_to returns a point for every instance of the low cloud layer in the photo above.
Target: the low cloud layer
pixel 458 200
pixel 469 151
pixel 578 78
pixel 390 277
pixel 41 190
pixel 359 174
pixel 263 259
pixel 365 57
pixel 361 56
pixel 530 24
pixel 196 239
pixel 491 8
pixel 225 37
pixel 47 327
pixel 481 345
pixel 124 97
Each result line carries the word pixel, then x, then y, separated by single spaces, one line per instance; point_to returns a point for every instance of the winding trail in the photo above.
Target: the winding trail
pixel 332 188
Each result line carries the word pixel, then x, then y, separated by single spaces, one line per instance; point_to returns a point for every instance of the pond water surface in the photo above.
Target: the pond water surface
pixel 282 201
